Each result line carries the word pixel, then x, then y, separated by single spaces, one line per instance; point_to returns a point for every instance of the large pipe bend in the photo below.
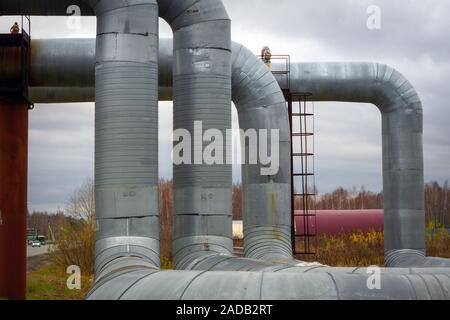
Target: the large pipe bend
pixel 347 82
pixel 202 94
pixel 266 199
pixel 127 272
pixel 402 128
pixel 144 283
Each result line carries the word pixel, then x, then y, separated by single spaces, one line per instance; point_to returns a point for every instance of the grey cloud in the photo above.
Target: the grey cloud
pixel 413 39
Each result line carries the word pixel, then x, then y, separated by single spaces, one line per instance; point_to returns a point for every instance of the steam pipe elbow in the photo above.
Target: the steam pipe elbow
pixel 413 259
pixel 102 6
pixel 182 14
pixel 393 92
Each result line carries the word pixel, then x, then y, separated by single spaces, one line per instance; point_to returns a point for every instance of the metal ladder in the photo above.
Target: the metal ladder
pixel 301 116
pixel 301 119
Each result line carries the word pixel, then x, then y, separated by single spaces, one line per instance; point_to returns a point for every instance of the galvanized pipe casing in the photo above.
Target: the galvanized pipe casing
pixel 202 92
pixel 402 127
pixel 126 131
pixel 127 263
pixel 266 198
pixel 63 70
pixel 353 82
pixel 69 65
pixel 299 283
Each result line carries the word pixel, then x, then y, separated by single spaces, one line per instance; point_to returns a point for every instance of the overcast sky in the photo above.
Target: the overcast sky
pixel 414 38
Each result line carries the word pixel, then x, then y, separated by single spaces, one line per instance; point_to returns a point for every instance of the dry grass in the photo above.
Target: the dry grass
pixel 356 249
pixel 438 241
pixel 50 283
pixel 365 249
pixel 77 247
pixel 166 218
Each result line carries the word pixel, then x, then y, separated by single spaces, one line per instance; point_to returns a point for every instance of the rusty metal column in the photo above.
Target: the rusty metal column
pixel 13 197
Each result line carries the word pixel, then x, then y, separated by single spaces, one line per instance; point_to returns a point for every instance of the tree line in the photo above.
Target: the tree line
pixel 81 206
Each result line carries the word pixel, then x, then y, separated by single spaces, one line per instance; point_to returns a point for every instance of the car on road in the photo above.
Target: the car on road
pixel 35 244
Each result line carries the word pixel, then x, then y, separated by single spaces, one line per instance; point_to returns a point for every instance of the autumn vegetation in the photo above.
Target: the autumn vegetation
pixel 74 231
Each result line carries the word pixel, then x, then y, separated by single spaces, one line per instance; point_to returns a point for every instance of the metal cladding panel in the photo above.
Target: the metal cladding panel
pixel 116 286
pixel 234 286
pixel 285 286
pixel 191 225
pixel 146 226
pixel 168 285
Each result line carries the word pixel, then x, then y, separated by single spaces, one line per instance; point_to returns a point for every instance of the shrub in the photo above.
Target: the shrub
pixel 77 243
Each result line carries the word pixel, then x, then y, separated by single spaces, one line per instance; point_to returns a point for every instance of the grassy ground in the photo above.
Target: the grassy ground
pixel 357 249
pixel 366 249
pixel 49 283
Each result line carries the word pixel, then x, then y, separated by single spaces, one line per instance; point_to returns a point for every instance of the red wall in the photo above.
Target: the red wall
pixel 13 198
pixel 334 222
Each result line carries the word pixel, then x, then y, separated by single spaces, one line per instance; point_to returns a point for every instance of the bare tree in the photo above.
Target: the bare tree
pixel 237 202
pixel 166 217
pixel 77 244
pixel 81 204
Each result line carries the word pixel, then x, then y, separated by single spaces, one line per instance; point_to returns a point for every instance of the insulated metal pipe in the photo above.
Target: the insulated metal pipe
pixel 402 127
pixel 357 82
pixel 63 70
pixel 266 195
pixel 137 278
pixel 260 104
pixel 128 277
pixel 281 284
pixel 202 97
pixel 126 131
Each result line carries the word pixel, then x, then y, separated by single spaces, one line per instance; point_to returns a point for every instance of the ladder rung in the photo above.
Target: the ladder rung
pixel 303 114
pixel 281 72
pixel 303 241
pixel 302 154
pixel 307 134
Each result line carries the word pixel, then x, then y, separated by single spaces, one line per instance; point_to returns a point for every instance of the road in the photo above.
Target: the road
pixel 32 252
